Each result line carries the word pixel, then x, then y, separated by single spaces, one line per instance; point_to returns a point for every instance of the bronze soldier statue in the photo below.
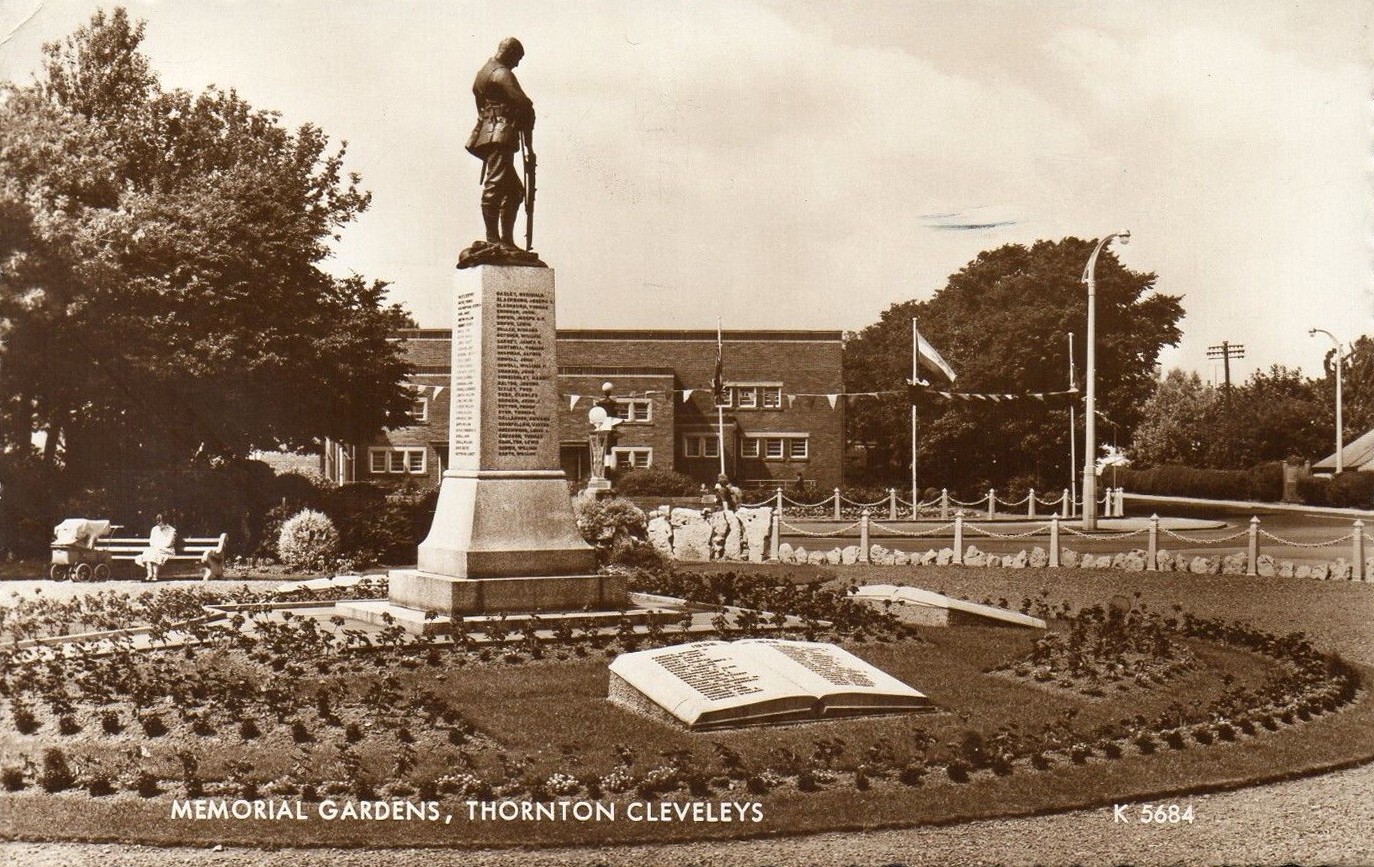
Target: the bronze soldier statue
pixel 505 122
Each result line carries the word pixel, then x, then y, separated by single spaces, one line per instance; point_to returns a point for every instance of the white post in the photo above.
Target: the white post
pixel 944 504
pixel 1054 541
pixel 1152 564
pixel 959 539
pixel 1067 503
pixel 1090 410
pixel 1357 553
pixel 779 498
pixel 915 375
pixel 837 504
pixel 1030 504
pixel 1121 502
pixel 992 503
pixel 1252 548
pixel 777 532
pixel 863 536
pixel 892 504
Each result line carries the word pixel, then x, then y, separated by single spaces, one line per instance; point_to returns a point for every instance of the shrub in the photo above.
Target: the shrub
pixel 655 482
pixel 153 726
pixel 99 784
pixel 110 723
pixel 248 729
pixel 67 724
pixel 308 540
pixel 1262 482
pixel 606 522
pixel 57 774
pixel 957 770
pixel 1349 489
pixel 12 778
pixel 24 720
pixel 146 784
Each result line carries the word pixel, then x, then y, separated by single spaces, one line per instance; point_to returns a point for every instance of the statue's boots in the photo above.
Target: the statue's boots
pixel 491 216
pixel 508 215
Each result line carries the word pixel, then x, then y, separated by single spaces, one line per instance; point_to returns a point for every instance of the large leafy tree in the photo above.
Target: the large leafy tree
pixel 1002 322
pixel 1275 415
pixel 162 298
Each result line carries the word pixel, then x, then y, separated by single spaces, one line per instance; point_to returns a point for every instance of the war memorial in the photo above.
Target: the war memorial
pixel 559 673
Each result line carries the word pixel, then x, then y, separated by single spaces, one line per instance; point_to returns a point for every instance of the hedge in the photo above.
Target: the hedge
pixel 1263 482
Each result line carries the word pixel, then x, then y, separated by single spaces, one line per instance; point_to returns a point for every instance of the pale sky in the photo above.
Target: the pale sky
pixel 789 164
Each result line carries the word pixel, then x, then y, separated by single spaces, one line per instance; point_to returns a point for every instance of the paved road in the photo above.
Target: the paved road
pixel 1302 528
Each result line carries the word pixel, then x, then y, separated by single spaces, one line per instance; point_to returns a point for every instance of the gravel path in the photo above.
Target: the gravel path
pixel 1322 820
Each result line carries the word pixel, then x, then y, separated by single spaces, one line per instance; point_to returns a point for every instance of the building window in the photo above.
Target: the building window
pixel 419 407
pixel 701 446
pixel 628 458
pixel 793 447
pixel 756 395
pixel 727 397
pixel 397 460
pixel 638 410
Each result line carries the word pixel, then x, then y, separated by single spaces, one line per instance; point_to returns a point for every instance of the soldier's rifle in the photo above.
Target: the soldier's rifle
pixel 531 167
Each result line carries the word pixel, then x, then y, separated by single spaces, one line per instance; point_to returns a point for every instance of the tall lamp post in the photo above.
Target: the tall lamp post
pixel 1340 440
pixel 1090 412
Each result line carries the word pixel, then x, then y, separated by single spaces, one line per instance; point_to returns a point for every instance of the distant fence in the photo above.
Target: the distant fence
pixel 1153 557
pixel 838 507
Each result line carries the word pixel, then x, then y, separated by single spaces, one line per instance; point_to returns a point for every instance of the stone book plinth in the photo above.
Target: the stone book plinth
pixel 717 684
pixel 504 538
pixel 915 605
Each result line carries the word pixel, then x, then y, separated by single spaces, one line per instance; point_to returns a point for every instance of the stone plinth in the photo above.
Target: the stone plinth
pixel 504 537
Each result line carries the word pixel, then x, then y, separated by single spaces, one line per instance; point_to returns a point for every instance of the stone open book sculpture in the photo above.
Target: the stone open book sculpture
pixel 719 684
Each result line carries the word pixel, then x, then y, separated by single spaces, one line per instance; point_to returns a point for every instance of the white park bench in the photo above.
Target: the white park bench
pixel 196 555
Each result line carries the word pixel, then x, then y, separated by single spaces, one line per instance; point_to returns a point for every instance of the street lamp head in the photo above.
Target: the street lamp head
pixel 1124 235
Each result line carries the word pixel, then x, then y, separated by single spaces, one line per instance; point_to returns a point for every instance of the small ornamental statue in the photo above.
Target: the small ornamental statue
pixel 505 125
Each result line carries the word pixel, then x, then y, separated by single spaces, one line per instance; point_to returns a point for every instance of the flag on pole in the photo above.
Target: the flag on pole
pixel 718 381
pixel 930 359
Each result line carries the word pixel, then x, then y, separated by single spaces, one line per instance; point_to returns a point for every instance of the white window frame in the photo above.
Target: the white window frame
pixel 700 446
pixel 727 397
pixel 776 446
pixel 631 404
pixel 422 400
pixel 754 395
pixel 398 460
pixel 624 457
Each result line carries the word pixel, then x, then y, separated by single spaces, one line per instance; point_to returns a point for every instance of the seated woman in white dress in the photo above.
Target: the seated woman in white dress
pixel 161 546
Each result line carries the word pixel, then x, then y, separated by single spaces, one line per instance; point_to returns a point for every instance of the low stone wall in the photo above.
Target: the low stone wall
pixel 692 534
pixel 1135 560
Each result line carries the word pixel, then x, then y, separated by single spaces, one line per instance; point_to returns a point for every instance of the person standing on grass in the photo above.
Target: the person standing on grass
pixel 162 542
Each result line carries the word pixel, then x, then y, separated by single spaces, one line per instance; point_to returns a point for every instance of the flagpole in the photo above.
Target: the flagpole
pixel 915 375
pixel 1073 432
pixel 720 410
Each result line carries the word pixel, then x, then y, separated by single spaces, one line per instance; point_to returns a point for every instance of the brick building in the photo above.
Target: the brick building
pixel 780 415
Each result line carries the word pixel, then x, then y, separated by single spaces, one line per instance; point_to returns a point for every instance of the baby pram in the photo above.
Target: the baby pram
pixel 74 554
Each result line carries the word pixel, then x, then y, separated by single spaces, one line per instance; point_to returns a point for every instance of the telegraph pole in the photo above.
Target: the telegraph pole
pixel 1226 351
